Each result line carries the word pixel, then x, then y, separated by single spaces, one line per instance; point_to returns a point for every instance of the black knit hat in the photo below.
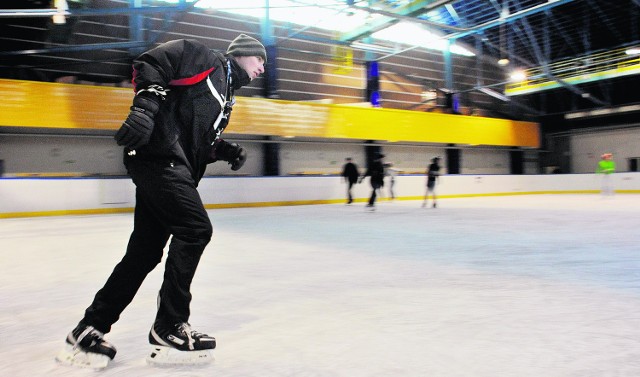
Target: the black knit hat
pixel 245 45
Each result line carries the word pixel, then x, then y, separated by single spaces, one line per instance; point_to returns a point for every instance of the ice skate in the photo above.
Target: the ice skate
pixel 86 348
pixel 179 345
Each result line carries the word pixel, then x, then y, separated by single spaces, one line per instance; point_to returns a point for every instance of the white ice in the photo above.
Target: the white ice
pixel 521 286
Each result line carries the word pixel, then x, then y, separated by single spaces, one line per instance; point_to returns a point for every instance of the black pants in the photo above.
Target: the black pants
pixel 167 204
pixel 374 193
pixel 349 194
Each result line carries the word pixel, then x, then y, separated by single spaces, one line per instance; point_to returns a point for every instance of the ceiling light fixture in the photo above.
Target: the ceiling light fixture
pixel 518 75
pixel 372 47
pixel 61 9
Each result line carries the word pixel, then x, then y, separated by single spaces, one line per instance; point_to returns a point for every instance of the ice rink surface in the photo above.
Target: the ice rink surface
pixel 520 286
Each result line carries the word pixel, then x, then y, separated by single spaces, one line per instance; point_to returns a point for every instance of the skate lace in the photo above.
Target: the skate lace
pixel 185 328
pixel 94 334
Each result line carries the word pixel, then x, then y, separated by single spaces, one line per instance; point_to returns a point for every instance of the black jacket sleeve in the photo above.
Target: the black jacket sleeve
pixel 179 62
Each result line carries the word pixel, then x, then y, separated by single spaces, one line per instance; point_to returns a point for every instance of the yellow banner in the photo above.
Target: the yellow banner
pixel 54 105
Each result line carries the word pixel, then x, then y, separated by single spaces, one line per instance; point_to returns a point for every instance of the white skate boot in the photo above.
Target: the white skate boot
pixel 179 345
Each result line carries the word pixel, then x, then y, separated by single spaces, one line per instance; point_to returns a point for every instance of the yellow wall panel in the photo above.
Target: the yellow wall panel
pixel 54 105
pixel 285 118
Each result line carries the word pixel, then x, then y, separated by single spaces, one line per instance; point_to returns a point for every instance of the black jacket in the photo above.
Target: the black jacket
pixel 183 131
pixel 433 171
pixel 376 172
pixel 350 172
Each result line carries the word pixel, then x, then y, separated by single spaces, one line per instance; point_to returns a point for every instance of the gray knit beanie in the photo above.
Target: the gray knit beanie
pixel 245 45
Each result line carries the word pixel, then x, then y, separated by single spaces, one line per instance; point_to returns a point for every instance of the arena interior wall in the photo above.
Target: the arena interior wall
pixel 65 196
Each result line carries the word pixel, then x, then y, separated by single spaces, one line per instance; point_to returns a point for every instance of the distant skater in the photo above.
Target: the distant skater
pixel 392 173
pixel 433 176
pixel 350 174
pixel 606 167
pixel 376 173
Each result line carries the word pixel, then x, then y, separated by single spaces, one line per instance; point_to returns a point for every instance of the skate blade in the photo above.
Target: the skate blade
pixel 81 359
pixel 167 356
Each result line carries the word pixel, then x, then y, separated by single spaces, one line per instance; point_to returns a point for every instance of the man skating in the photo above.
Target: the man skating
pixel 376 173
pixel 350 174
pixel 184 94
pixel 433 175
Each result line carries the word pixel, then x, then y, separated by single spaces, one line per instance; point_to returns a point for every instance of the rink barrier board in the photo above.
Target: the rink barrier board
pixel 108 211
pixel 23 197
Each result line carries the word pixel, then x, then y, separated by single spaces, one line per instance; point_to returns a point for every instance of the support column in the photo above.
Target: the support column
pixel 373 84
pixel 136 27
pixel 517 162
pixel 271 73
pixel 270 69
pixel 453 160
pixel 451 98
pixel 448 67
pixel 371 152
pixel 271 158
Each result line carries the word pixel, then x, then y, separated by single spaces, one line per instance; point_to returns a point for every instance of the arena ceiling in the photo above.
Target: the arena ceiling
pixel 579 56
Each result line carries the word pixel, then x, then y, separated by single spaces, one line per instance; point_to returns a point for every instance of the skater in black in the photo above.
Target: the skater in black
pixel 350 174
pixel 376 173
pixel 433 175
pixel 184 92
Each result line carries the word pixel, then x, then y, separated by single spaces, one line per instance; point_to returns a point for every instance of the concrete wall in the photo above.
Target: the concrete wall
pixel 99 155
pixel 60 196
pixel 587 147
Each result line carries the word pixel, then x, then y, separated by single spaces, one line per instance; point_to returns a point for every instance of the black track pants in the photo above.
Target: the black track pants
pixel 374 193
pixel 167 204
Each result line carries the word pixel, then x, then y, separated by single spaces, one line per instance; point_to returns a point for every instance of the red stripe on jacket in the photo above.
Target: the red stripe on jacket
pixel 178 82
pixel 193 79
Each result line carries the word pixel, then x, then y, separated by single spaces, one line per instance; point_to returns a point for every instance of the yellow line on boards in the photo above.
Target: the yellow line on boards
pixel 106 211
pixel 65 212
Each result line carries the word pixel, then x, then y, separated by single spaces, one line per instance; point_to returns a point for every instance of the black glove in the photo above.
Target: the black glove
pixel 136 129
pixel 234 154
